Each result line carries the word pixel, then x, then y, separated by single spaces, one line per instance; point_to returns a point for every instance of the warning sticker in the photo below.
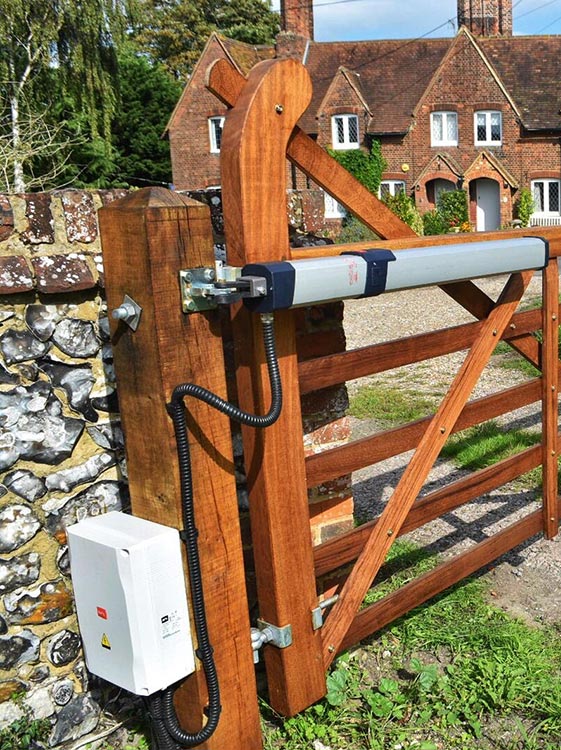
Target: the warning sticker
pixel 171 624
pixel 105 642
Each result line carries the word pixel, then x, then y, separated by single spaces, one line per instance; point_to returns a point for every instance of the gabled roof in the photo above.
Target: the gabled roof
pixel 496 164
pixel 462 38
pixel 530 69
pixel 352 79
pixel 435 165
pixel 243 56
pixel 393 76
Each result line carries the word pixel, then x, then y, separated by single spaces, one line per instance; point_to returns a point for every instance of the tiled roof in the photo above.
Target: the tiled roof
pixel 530 69
pixel 395 73
pixel 246 55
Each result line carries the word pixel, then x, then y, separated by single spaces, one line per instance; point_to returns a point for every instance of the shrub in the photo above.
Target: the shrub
pixel 353 230
pixel 452 205
pixel 433 223
pixel 524 206
pixel 404 207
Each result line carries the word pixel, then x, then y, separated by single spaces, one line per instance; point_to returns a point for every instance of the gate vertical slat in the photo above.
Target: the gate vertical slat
pixel 147 237
pixel 550 398
pixel 253 159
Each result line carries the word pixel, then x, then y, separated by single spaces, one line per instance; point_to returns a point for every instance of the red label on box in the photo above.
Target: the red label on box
pixel 101 612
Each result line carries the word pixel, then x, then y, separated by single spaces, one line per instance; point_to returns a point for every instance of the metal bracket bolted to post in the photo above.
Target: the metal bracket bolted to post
pixel 317 612
pixel 281 637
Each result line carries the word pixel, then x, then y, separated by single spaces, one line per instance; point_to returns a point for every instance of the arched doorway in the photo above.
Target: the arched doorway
pixel 436 187
pixel 488 204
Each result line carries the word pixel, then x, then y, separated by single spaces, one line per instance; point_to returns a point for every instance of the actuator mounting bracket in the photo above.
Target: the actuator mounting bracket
pixel 205 287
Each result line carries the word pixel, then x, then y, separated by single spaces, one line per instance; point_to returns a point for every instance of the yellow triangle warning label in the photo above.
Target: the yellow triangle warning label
pixel 105 642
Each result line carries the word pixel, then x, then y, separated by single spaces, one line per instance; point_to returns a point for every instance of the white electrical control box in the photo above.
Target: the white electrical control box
pixel 129 588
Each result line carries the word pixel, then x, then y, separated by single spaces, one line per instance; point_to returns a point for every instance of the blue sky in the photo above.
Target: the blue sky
pixel 398 19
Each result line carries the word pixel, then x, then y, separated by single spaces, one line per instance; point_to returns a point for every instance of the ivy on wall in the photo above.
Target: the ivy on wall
pixel 367 167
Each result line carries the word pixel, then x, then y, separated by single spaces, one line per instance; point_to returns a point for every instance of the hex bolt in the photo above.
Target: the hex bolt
pixel 125 311
pixel 209 274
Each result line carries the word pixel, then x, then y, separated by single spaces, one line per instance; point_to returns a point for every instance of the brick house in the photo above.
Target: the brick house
pixel 479 111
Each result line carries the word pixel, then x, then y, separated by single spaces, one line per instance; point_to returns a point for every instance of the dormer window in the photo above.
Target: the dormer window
pixel 488 128
pixel 344 132
pixel 215 125
pixel 444 128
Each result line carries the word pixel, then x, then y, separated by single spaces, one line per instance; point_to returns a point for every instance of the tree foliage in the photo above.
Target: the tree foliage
pixel 147 95
pixel 174 32
pixel 87 86
pixel 66 43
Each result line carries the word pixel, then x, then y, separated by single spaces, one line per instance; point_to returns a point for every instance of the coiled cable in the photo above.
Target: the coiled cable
pixel 167 729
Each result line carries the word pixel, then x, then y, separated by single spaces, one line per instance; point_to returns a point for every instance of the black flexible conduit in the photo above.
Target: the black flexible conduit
pixel 167 729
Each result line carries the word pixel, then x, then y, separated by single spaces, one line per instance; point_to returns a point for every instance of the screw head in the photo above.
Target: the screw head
pixel 279 109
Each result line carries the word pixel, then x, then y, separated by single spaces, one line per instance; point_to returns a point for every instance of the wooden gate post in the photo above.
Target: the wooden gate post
pixel 253 157
pixel 147 238
pixel 550 397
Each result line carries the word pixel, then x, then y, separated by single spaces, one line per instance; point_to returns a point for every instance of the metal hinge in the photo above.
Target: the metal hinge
pixel 281 637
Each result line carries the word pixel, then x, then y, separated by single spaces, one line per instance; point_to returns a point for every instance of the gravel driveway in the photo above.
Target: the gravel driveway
pixel 526 581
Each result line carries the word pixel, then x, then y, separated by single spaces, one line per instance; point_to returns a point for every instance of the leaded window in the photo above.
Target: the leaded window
pixel 345 132
pixel 444 128
pixel 488 128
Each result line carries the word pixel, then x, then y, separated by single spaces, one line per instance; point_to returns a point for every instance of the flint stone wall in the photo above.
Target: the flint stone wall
pixel 61 445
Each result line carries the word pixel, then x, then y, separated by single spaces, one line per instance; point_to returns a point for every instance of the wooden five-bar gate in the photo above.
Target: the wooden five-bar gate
pixel 147 238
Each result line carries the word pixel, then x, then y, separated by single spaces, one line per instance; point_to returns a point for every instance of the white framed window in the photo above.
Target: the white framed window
pixel 546 194
pixel 444 128
pixel 215 125
pixel 332 208
pixel 344 132
pixel 390 187
pixel 488 128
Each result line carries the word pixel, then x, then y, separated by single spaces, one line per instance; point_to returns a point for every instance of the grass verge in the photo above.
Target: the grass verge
pixel 487 443
pixel 389 405
pixel 456 673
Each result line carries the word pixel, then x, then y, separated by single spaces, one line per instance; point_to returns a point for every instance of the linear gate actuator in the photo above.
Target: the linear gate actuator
pixel 265 287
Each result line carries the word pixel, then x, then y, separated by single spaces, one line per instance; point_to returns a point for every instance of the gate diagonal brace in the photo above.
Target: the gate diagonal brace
pixel 386 530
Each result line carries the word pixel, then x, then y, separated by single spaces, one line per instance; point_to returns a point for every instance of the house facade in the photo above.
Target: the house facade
pixel 480 111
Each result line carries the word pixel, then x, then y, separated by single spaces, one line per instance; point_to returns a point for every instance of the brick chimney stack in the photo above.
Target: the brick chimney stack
pixel 486 17
pixel 297 17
